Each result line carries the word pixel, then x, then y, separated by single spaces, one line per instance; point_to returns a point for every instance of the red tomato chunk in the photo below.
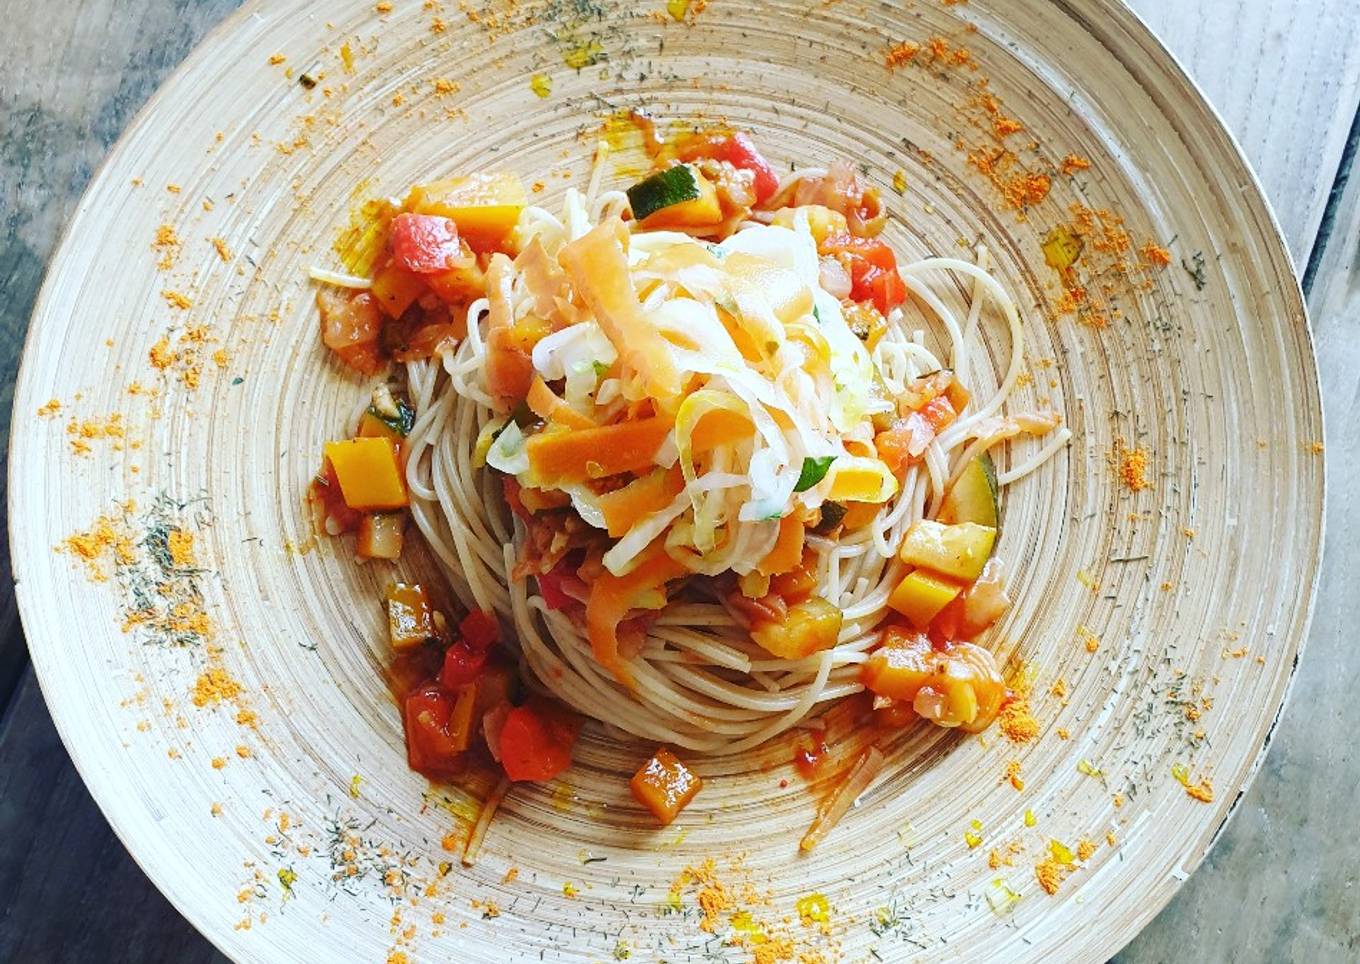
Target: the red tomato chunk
pixel 425 243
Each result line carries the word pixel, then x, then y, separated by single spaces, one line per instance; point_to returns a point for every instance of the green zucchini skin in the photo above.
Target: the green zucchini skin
pixel 974 496
pixel 674 185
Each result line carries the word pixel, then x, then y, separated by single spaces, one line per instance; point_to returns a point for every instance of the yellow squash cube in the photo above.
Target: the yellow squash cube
pixel 369 473
pixel 858 478
pixel 410 618
pixel 484 206
pixel 921 596
pixel 664 785
pixel 810 627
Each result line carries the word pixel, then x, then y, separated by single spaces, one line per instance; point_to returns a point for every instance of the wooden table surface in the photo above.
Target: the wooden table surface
pixel 1280 884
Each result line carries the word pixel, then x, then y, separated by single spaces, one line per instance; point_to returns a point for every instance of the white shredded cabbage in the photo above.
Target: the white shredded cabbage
pixel 508 453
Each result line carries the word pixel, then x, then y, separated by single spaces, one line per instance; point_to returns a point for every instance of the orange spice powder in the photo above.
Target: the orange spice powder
pixel 1133 468
pixel 899 54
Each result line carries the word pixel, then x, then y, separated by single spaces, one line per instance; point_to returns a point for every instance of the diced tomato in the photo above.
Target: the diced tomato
pixel 906 440
pixel 740 151
pixel 350 327
pixel 425 243
pixel 887 290
pixel 510 487
pixel 431 745
pixel 536 741
pixel 736 149
pixel 872 266
pixel 561 587
pixel 976 609
pixel 462 665
pixel 550 586
pixel 480 630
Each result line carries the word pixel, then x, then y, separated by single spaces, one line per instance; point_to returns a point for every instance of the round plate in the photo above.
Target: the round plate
pixel 217 674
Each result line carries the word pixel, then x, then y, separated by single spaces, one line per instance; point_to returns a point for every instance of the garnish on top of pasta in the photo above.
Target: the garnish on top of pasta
pixel 684 456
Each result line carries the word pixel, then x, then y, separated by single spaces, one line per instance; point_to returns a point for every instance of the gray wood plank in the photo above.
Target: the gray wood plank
pixel 1280 884
pixel 68 889
pixel 1285 75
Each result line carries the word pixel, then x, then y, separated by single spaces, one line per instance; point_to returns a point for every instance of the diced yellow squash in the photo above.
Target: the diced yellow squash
pixel 822 221
pixel 857 478
pixel 898 671
pixel 785 292
pixel 859 514
pixel 484 206
pixel 460 719
pixel 370 426
pixel 664 785
pixel 380 535
pixel 369 473
pixel 810 627
pixel 959 550
pixel 410 618
pixel 396 289
pixel 922 594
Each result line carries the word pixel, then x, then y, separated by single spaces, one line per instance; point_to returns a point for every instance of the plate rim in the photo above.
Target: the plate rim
pixel 1153 51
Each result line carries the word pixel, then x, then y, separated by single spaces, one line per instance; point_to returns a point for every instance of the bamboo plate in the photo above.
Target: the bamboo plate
pixel 241 804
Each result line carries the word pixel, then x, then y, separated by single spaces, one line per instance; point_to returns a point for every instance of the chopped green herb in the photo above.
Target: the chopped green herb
pixel 1195 268
pixel 814 470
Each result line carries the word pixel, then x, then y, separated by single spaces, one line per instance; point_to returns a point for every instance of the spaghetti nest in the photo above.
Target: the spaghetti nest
pixel 688 443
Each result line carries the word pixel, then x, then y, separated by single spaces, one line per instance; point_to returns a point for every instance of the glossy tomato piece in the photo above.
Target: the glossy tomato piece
pixel 872 266
pixel 480 630
pixel 425 243
pixel 740 151
pixel 536 741
pixel 432 747
pixel 462 665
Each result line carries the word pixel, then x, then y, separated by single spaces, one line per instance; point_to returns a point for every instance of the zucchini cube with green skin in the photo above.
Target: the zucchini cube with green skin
pixel 679 196
pixel 972 498
pixel 958 551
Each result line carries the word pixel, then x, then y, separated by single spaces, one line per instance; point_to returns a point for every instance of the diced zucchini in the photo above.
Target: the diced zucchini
pixel 380 535
pixel 973 497
pixel 410 618
pixel 959 550
pixel 374 424
pixel 685 195
pixel 922 594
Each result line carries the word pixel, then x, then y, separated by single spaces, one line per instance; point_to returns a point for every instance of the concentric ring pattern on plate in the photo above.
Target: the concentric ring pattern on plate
pixel 1198 588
